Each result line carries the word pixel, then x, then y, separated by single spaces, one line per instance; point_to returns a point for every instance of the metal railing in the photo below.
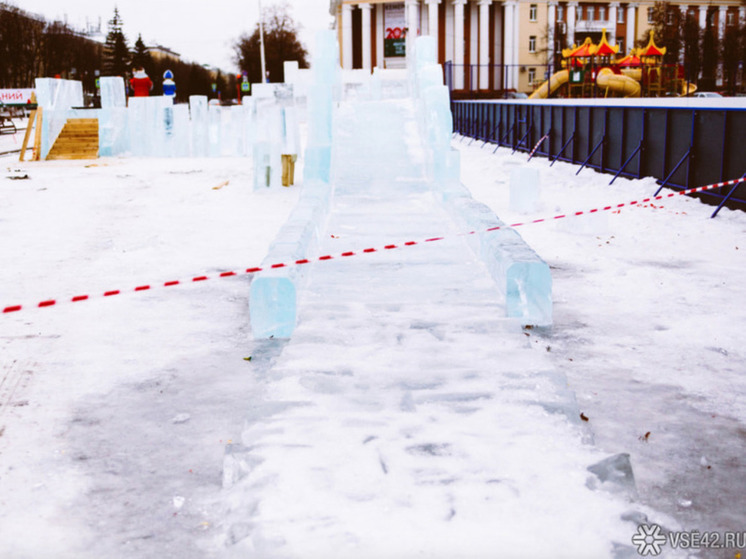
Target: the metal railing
pixel 682 147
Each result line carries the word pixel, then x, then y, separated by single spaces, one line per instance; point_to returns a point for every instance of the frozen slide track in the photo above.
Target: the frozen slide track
pixel 405 142
pixel 407 416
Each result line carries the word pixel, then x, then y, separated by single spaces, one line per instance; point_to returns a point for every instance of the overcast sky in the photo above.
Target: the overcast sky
pixel 201 32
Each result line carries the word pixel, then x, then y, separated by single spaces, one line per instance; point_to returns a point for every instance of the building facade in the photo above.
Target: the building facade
pixel 509 44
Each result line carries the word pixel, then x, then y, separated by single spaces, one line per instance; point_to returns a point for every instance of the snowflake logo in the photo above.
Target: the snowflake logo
pixel 648 539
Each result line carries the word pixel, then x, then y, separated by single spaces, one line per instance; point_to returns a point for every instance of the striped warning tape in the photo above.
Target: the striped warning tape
pixel 533 151
pixel 248 271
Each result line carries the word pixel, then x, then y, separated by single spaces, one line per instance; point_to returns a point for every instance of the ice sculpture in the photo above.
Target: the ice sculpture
pixel 524 189
pixel 522 276
pixel 317 158
pixel 274 292
pixel 198 114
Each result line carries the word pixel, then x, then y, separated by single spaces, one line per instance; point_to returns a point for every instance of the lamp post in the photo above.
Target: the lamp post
pixel 261 43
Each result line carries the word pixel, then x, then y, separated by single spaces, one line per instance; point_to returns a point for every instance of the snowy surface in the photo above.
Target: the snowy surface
pixel 404 418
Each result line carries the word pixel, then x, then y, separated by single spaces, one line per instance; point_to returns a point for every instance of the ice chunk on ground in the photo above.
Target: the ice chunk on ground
pixel 524 189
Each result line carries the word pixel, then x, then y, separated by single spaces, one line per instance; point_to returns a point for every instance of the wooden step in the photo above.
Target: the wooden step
pixel 77 140
pixel 74 157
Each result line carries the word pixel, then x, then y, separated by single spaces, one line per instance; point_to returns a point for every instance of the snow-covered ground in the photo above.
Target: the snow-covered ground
pixel 116 411
pixel 649 309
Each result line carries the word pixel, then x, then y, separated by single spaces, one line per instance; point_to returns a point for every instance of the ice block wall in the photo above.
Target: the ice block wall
pixel 521 275
pixel 113 126
pixel 318 155
pixel 434 107
pixel 56 97
pixel 273 294
pixel 150 123
pixel 198 115
pixel 273 297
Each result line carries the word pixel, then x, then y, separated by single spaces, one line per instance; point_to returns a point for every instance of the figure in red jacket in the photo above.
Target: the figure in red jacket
pixel 141 84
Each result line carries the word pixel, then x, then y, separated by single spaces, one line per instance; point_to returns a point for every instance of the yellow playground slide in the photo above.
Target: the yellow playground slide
pixel 687 90
pixel 555 81
pixel 606 79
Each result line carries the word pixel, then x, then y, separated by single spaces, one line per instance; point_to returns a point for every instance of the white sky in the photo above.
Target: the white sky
pixel 202 32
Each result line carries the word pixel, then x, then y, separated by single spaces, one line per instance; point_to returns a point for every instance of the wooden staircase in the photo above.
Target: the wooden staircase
pixel 78 140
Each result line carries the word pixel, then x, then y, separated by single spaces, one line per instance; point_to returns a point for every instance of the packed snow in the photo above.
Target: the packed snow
pixel 406 416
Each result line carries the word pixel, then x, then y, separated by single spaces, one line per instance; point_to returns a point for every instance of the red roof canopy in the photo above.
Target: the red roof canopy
pixel 651 49
pixel 629 60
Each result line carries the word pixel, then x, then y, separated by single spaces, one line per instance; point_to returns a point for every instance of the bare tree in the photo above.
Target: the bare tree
pixel 281 44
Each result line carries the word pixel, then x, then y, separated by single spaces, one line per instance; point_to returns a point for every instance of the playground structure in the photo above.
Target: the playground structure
pixel 591 70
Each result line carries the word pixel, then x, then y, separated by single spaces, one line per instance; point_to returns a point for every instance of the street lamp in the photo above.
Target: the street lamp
pixel 261 43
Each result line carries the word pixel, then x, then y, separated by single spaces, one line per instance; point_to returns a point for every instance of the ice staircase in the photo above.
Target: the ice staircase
pixel 77 140
pixel 432 426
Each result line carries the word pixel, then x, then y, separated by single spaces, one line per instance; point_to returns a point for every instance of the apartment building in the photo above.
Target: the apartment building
pixel 499 44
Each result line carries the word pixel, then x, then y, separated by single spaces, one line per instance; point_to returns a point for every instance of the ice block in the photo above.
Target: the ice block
pixel 522 276
pixel 113 93
pixel 524 189
pixel 273 294
pixel 198 115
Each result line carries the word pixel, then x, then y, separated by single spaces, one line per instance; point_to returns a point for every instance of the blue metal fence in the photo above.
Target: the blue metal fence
pixel 682 147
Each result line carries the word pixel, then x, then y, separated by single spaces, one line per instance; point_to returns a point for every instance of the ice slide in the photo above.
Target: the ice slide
pixel 551 85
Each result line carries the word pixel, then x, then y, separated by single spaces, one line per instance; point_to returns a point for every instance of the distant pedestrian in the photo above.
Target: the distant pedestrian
pixel 169 85
pixel 140 84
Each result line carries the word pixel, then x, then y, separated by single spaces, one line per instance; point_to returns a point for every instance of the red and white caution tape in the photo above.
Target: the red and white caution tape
pixel 248 271
pixel 533 151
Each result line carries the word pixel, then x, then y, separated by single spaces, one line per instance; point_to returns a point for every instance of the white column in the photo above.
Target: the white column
pixel 413 25
pixel 432 22
pixel 722 10
pixel 367 47
pixel 380 32
pixel 684 9
pixel 552 25
pixel 629 43
pixel 571 19
pixel 702 17
pixel 347 36
pixel 742 15
pixel 611 31
pixel 497 47
pixel 458 43
pixel 510 37
pixel 516 42
pixel 484 44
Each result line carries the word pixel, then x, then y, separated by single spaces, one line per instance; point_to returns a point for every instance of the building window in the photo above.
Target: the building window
pixel 560 13
pixel 620 42
pixel 730 19
pixel 602 13
pixel 620 15
pixel 650 15
pixel 531 75
pixel 532 43
pixel 591 10
pixel 532 12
